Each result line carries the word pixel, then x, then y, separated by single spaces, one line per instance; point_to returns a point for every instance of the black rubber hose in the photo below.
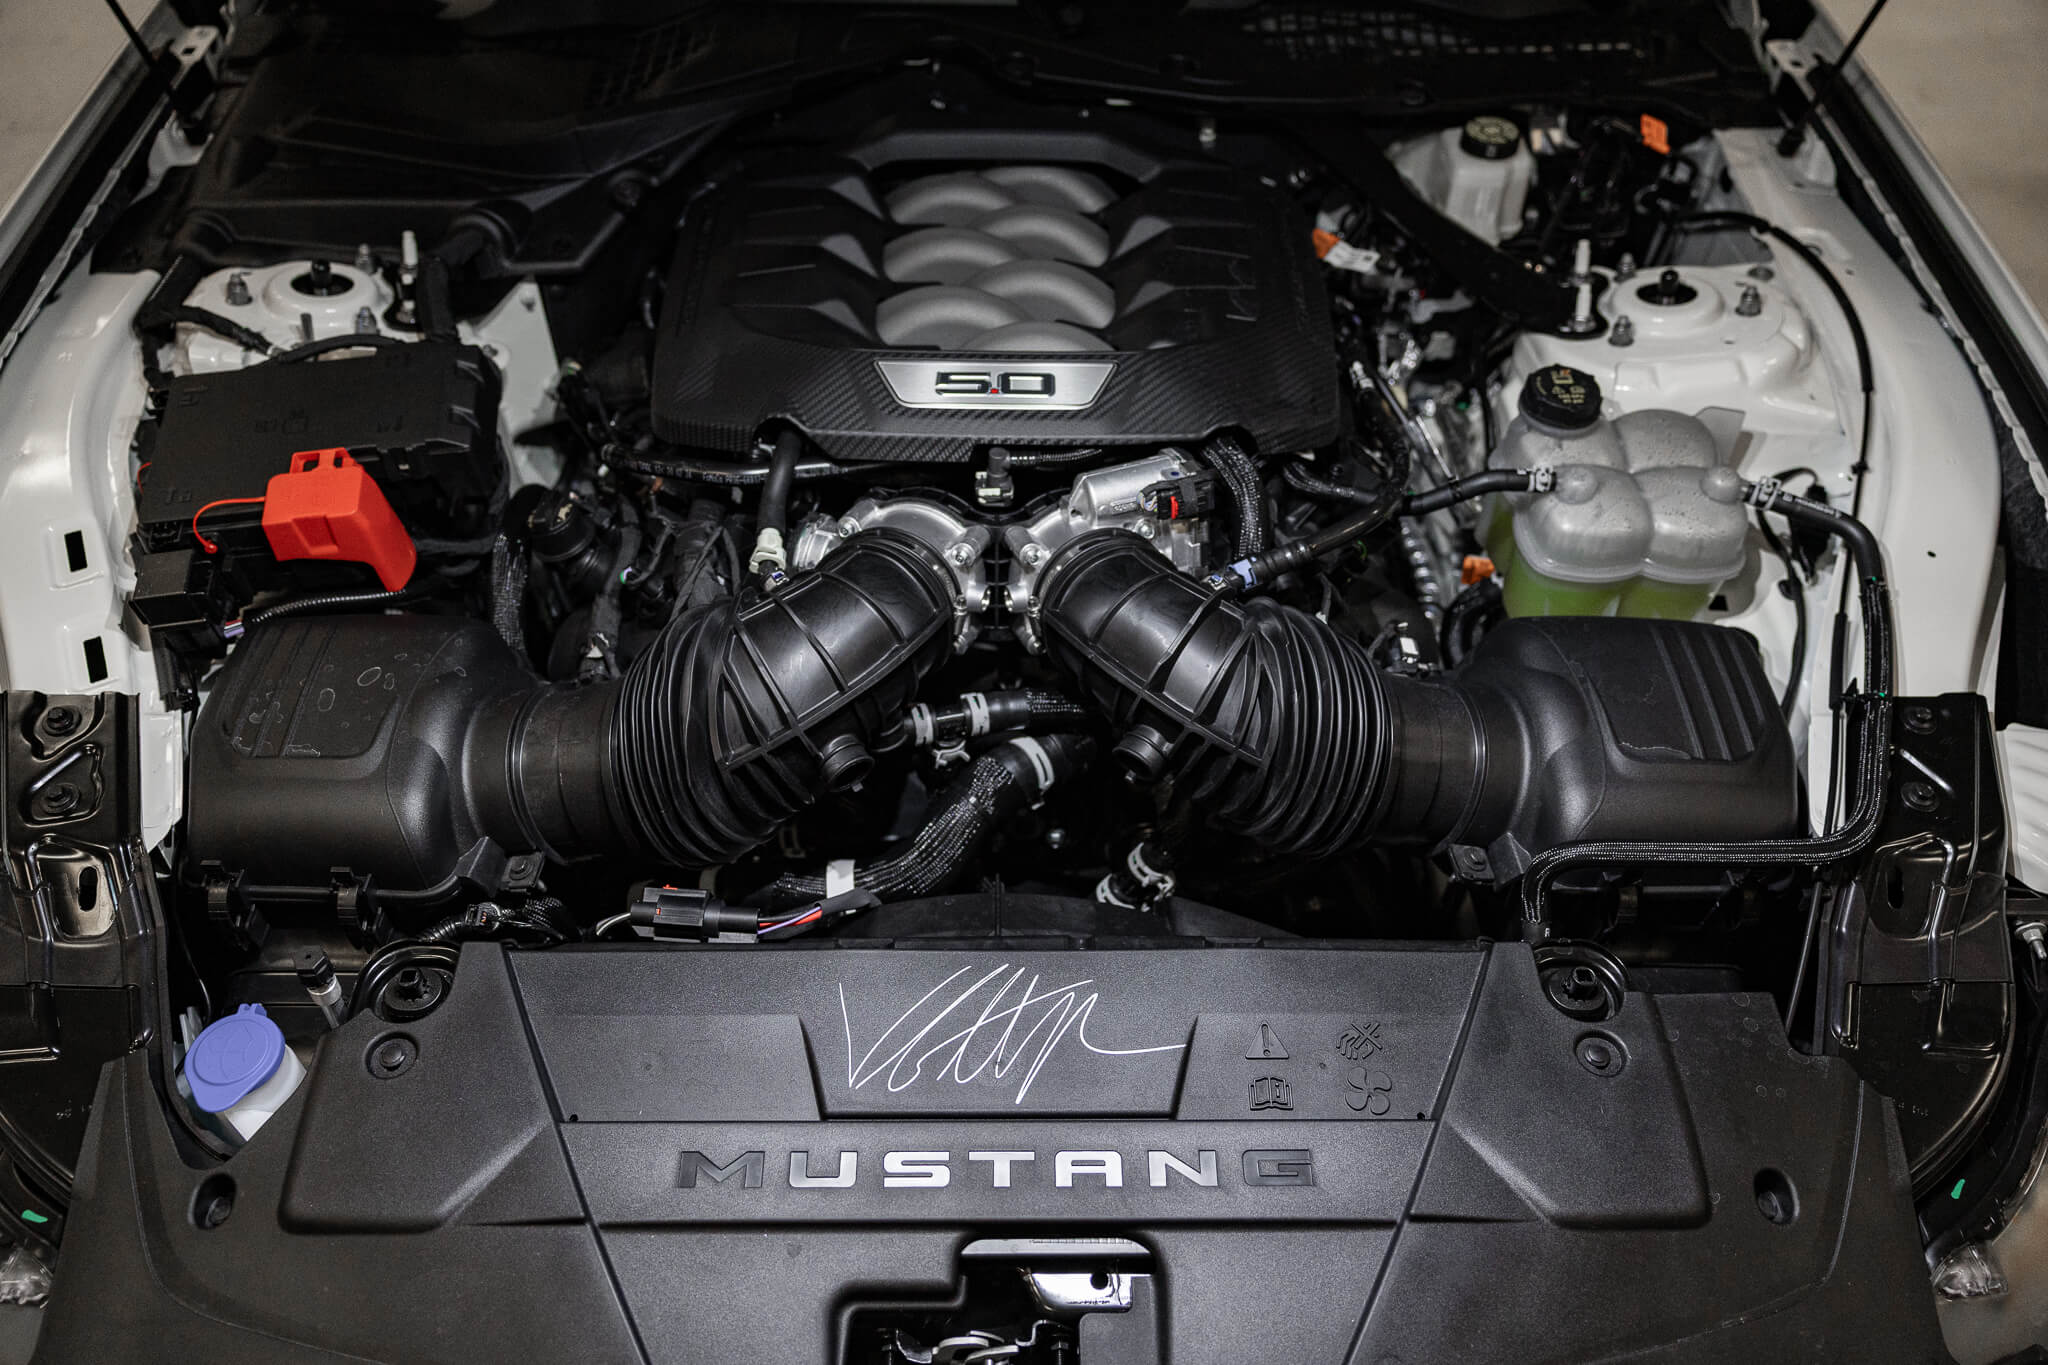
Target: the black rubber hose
pixel 773 513
pixel 1795 590
pixel 982 713
pixel 739 715
pixel 1463 490
pixel 997 787
pixel 1259 570
pixel 1302 480
pixel 1239 471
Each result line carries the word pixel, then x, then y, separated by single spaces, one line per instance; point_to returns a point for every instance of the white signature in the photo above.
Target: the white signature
pixel 992 1037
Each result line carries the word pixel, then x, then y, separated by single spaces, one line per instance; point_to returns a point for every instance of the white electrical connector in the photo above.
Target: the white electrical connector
pixel 768 552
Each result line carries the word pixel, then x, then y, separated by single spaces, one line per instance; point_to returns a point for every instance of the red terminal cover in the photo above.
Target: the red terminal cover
pixel 326 506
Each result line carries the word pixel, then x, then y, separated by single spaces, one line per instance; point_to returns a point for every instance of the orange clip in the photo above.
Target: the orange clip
pixel 1478 568
pixel 1656 134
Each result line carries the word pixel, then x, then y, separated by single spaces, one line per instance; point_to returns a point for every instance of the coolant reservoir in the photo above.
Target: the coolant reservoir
pixel 1643 518
pixel 1477 176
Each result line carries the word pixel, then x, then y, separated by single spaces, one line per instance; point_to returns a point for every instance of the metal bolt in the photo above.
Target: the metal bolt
pixel 960 554
pixel 1056 839
pixel 1622 333
pixel 2035 937
pixel 366 259
pixel 214 1211
pixel 1033 555
pixel 61 720
pixel 1751 303
pixel 1920 795
pixel 848 529
pixel 1147 530
pixel 1625 268
pixel 1918 719
pixel 366 321
pixel 1761 272
pixel 238 289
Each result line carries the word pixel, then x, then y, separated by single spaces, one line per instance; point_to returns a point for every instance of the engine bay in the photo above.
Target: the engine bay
pixel 1290 711
pixel 1070 523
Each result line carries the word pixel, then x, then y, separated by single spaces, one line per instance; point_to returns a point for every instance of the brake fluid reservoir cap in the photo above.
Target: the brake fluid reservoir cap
pixel 1490 137
pixel 232 1057
pixel 1561 398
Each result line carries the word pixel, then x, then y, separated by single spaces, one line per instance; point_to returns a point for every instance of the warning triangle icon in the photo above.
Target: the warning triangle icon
pixel 1268 1048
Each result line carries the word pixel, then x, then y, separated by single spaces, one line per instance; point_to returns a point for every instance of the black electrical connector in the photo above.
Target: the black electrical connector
pixel 316 974
pixel 1181 499
pixel 688 912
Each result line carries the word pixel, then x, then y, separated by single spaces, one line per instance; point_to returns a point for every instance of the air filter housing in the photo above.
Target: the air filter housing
pixel 926 292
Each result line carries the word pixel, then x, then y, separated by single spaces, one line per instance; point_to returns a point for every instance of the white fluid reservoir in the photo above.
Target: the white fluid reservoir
pixel 1477 175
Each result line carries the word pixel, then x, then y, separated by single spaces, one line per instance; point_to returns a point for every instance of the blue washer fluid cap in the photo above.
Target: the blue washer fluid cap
pixel 231 1057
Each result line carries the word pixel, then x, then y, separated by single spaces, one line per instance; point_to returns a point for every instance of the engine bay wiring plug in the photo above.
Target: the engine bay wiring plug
pixel 692 913
pixel 688 912
pixel 316 974
pixel 683 912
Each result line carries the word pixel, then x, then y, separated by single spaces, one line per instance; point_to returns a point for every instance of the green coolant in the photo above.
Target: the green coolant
pixel 1530 593
pixel 1497 534
pixel 1646 597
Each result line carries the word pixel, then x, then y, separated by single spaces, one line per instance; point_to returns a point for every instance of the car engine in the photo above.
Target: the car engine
pixel 1340 623
pixel 1041 481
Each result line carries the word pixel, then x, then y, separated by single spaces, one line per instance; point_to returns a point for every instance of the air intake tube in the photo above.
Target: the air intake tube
pixel 738 717
pixel 416 753
pixel 1281 730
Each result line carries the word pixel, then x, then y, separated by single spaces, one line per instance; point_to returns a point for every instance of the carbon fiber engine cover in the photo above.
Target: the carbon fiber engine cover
pixel 927 292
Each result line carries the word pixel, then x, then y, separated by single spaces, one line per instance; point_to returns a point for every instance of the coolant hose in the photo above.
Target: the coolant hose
pixel 772 531
pixel 1003 782
pixel 981 713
